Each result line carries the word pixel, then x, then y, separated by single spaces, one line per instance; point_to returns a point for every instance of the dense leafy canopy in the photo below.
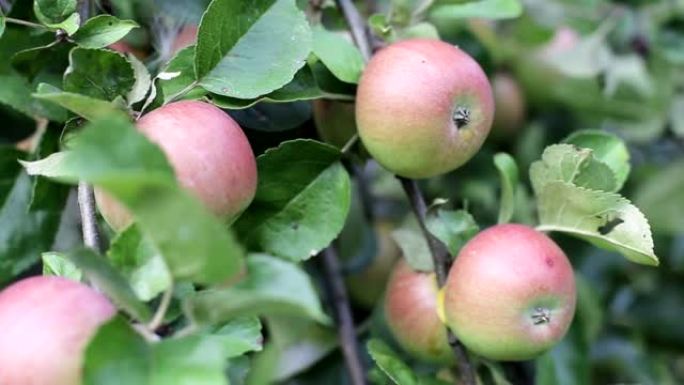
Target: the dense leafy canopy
pixel 598 166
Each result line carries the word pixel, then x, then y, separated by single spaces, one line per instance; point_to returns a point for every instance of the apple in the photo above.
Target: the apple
pixel 367 286
pixel 46 324
pixel 564 39
pixel 186 37
pixel 209 153
pixel 423 107
pixel 335 121
pixel 510 294
pixel 411 313
pixel 124 47
pixel 510 106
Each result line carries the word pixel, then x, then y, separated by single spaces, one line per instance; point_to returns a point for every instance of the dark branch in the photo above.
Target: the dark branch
pixel 343 315
pixel 357 26
pixel 442 262
pixel 440 254
pixel 86 203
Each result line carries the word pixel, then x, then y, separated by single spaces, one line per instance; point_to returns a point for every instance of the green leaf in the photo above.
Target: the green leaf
pixel 143 81
pixel 453 228
pixel 272 286
pixel 116 354
pixel 239 336
pixel 113 155
pixel 301 343
pixel 302 200
pixel 406 12
pixel 661 197
pixel 302 87
pixel 31 62
pixel 16 93
pixel 56 10
pixel 98 73
pixel 69 25
pixel 604 219
pixel 586 59
pixel 98 271
pixel 388 361
pixel 508 171
pixel 677 115
pixel 25 234
pixel 607 148
pixel 340 55
pixel 48 195
pixel 102 30
pixel 138 260
pixel 178 75
pixel 567 163
pixel 58 264
pixel 248 49
pixel 85 106
pixel 414 247
pixel 381 26
pixel 629 70
pixel 423 30
pixel 2 23
pixel 482 9
pixel 188 360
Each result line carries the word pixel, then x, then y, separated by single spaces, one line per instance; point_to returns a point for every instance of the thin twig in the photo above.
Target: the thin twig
pixel 364 191
pixel 86 203
pixel 357 26
pixel 345 322
pixel 440 254
pixel 441 260
pixel 350 143
pixel 84 10
pixel 159 315
pixel 24 23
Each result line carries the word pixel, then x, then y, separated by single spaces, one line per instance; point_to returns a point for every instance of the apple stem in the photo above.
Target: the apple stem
pixel 343 315
pixel 86 204
pixel 158 318
pixel 441 261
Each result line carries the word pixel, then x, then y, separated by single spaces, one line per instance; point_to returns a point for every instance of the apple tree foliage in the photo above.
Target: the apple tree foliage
pixel 599 165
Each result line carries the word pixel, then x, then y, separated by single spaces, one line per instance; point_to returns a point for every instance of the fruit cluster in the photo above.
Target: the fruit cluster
pixel 423 108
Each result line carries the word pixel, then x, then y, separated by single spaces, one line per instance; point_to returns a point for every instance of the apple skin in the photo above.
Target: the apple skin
pixel 411 313
pixel 503 284
pixel 209 153
pixel 366 287
pixel 186 37
pixel 408 99
pixel 335 121
pixel 510 106
pixel 46 324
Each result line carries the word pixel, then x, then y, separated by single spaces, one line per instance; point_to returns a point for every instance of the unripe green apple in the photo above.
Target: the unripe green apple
pixel 411 313
pixel 423 107
pixel 46 323
pixel 208 152
pixel 366 287
pixel 510 294
pixel 510 106
pixel 335 121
